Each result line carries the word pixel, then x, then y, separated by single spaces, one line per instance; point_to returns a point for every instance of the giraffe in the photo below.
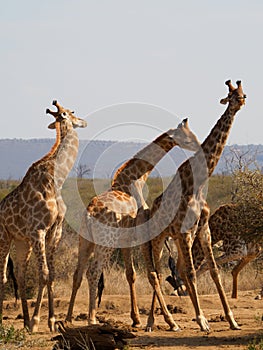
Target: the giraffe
pixel 31 215
pixel 189 209
pixel 127 186
pixel 224 225
pixel 176 212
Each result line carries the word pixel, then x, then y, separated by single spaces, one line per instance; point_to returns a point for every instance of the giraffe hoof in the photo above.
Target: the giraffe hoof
pixel 203 323
pixel 137 325
pixel 175 329
pixel 68 319
pixel 205 329
pixel 148 329
pixel 34 328
pixel 52 325
pixel 235 327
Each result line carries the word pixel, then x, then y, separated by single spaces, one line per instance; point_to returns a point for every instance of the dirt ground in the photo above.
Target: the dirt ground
pixel 247 311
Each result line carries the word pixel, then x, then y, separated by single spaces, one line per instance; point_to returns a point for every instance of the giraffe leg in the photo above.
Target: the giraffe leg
pixel 131 277
pixel 4 253
pixel 197 254
pixel 52 243
pixel 188 274
pixel 223 259
pixel 39 250
pixel 181 269
pixel 95 267
pixel 205 240
pixel 236 270
pixel 85 250
pixel 154 281
pixel 157 249
pixel 23 253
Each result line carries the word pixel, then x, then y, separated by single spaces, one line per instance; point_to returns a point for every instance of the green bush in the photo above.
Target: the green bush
pixel 256 345
pixel 8 334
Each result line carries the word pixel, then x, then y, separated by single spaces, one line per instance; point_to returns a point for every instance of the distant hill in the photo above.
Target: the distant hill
pixel 104 157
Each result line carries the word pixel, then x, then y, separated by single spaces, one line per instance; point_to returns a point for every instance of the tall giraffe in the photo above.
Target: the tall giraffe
pixel 187 209
pixel 127 186
pixel 224 224
pixel 31 215
pixel 176 212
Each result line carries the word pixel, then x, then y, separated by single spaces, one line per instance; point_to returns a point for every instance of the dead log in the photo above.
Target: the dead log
pixel 95 337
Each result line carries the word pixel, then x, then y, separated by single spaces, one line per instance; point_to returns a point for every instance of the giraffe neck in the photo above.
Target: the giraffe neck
pixel 214 144
pixel 185 193
pixel 49 173
pixel 65 155
pixel 195 172
pixel 53 149
pixel 47 157
pixel 139 167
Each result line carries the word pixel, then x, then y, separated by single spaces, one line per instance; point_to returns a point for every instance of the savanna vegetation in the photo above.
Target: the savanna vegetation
pixel 242 186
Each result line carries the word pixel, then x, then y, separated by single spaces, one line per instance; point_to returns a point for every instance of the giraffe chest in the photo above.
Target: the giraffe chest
pixel 20 218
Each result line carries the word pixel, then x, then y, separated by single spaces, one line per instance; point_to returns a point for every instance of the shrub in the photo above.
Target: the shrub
pixel 8 334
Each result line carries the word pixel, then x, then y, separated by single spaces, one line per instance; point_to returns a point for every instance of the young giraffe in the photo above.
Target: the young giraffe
pixel 189 209
pixel 223 226
pixel 127 186
pixel 32 214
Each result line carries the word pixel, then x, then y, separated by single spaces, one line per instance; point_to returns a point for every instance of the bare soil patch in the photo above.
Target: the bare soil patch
pixel 115 308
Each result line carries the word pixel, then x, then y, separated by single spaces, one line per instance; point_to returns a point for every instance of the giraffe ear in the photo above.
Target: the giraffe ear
pixel 183 124
pixel 52 125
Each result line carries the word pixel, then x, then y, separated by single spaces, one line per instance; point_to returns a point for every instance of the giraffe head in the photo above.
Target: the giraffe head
pixel 183 137
pixel 235 97
pixel 65 115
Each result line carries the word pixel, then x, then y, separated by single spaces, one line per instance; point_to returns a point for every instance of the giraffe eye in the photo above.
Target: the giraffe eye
pixel 64 114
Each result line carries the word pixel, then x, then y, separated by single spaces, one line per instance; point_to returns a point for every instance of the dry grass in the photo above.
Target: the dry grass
pixel 249 279
pixel 116 283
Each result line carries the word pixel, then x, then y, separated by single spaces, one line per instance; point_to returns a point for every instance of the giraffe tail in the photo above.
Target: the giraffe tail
pixel 100 288
pixel 10 266
pixel 175 279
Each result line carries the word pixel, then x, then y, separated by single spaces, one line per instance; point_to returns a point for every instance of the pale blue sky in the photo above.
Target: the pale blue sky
pixel 92 54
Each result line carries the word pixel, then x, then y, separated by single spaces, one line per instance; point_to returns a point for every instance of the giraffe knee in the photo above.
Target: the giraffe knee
pixel 153 278
pixel 77 279
pixel 4 279
pixel 215 273
pixel 131 276
pixel 191 275
pixel 44 277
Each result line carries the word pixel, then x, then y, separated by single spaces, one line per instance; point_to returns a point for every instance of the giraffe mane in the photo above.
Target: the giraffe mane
pixel 53 148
